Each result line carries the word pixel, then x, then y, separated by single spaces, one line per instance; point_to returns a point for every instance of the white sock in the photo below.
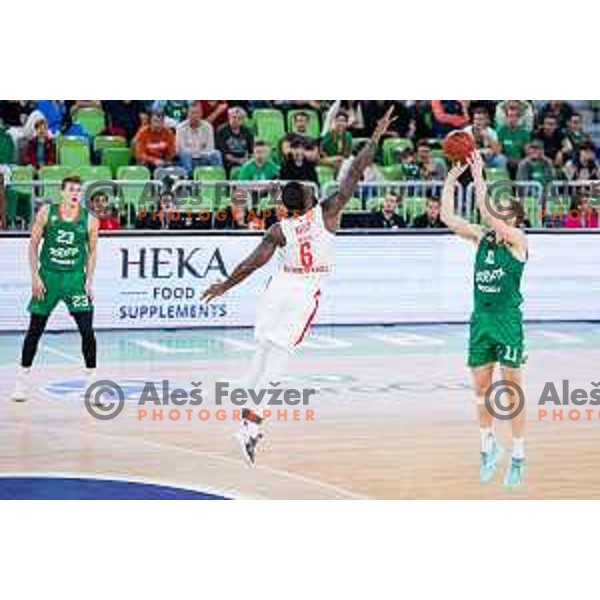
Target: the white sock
pixel 486 435
pixel 22 380
pixel 518 449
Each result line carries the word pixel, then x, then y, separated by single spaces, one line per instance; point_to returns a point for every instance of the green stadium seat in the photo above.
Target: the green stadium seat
pixel 22 173
pixel 91 120
pixel 532 210
pixel 73 152
pixel 392 147
pixel 325 173
pixel 375 204
pixel 52 176
pixel 392 172
pixel 314 126
pixel 133 193
pixel 235 173
pixel 19 203
pixel 438 153
pixel 269 125
pixel 414 206
pixel 102 142
pixel 93 172
pixel 495 174
pixel 115 158
pixel 354 205
pixel 7 148
pixel 210 174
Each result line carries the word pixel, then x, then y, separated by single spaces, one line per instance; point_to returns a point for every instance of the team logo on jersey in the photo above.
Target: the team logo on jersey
pixel 489 259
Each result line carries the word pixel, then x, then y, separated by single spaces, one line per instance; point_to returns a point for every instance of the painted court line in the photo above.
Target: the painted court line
pixel 62 354
pixel 162 349
pixel 408 339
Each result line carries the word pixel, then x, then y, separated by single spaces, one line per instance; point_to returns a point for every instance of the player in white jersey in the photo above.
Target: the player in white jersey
pixel 304 239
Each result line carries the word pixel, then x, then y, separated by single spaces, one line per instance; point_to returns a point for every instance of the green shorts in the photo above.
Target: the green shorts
pixel 496 337
pixel 62 285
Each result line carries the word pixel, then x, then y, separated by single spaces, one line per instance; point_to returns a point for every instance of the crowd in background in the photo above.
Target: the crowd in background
pixel 520 140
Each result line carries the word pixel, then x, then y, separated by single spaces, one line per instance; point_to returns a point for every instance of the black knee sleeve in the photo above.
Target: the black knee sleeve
pixel 37 324
pixel 84 322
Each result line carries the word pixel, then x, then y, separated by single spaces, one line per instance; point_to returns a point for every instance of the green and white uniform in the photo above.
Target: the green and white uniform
pixel 496 329
pixel 63 261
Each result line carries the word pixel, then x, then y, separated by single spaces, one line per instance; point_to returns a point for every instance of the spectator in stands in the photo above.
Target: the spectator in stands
pixel 581 214
pixel 175 111
pixel 159 217
pixel 13 116
pixel 575 136
pixel 373 110
pixel 486 139
pixel 55 113
pixel 449 115
pixel 40 150
pixel 195 141
pixel 234 140
pixel 299 132
pixel 513 138
pixel 584 165
pixel 296 166
pixel 336 144
pixel 525 109
pixel 410 167
pixel 535 166
pixel 552 138
pixel 155 143
pixel 431 218
pixel 108 215
pixel 387 217
pixel 124 117
pixel 559 109
pixel 214 112
pixel 430 168
pixel 260 168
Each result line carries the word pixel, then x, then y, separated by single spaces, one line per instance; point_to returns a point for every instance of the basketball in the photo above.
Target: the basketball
pixel 458 145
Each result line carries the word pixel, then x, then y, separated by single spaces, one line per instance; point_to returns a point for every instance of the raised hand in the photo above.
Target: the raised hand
pixel 383 124
pixel 457 170
pixel 475 162
pixel 214 291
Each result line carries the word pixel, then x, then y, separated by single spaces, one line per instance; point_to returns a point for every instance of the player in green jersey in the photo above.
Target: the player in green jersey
pixel 496 328
pixel 62 270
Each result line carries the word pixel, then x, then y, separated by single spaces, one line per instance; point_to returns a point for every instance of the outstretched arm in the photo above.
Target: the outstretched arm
pixel 512 235
pixel 332 207
pixel 459 225
pixel 258 258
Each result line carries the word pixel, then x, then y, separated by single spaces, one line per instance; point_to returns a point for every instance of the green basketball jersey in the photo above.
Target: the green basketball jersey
pixel 65 243
pixel 497 276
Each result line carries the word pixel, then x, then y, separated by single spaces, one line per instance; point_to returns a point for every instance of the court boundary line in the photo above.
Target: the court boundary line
pixel 200 453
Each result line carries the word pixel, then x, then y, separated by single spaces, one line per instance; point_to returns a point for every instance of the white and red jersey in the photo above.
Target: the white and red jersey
pixel 290 302
pixel 309 246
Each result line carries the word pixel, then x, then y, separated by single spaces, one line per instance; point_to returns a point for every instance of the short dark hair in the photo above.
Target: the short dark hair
pixel 341 113
pixel 260 144
pixel 480 110
pixel 293 196
pixel 301 113
pixel 422 143
pixel 70 179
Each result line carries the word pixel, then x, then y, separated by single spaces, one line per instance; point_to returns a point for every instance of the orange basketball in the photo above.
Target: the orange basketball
pixel 458 145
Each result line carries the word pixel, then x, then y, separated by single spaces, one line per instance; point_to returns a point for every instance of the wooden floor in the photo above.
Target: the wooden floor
pixel 386 427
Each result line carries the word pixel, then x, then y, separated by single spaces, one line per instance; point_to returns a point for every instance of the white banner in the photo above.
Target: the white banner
pixel 155 281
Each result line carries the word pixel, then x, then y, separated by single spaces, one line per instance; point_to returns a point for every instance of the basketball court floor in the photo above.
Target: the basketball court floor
pixel 394 417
